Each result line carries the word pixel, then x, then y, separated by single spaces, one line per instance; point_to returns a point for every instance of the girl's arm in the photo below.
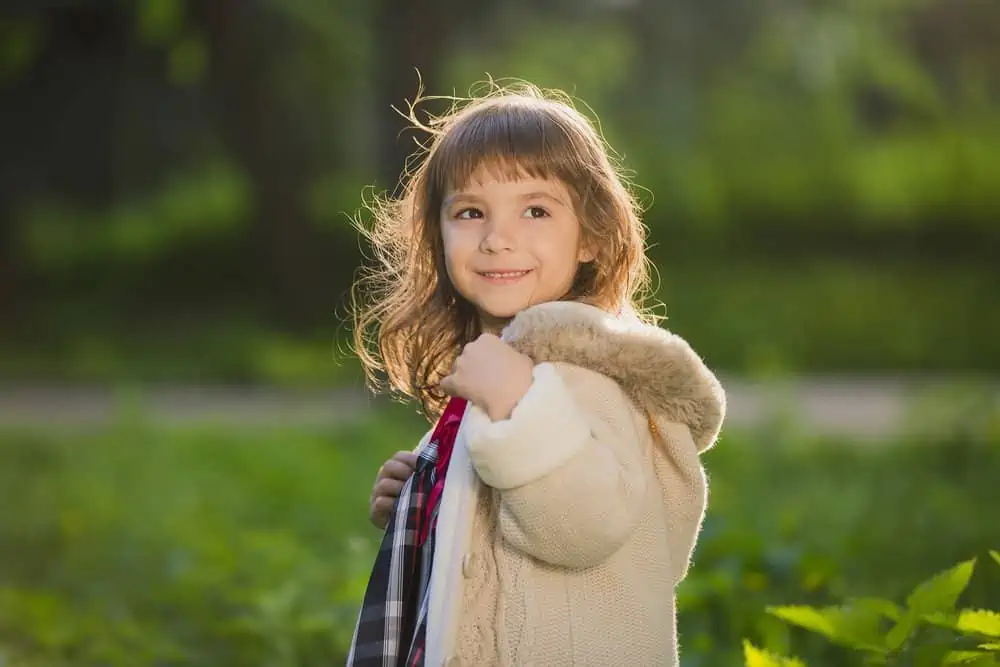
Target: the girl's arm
pixel 569 465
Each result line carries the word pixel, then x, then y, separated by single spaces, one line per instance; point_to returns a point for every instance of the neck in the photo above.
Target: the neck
pixel 492 325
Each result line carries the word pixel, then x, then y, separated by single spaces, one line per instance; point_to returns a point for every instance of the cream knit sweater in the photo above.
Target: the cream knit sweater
pixel 564 529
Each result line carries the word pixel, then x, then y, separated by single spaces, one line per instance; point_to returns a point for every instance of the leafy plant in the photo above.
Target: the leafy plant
pixel 228 545
pixel 928 631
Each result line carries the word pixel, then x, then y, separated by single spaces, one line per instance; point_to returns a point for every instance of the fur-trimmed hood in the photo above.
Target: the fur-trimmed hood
pixel 655 368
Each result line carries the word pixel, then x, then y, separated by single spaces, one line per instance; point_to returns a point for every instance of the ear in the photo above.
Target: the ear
pixel 587 253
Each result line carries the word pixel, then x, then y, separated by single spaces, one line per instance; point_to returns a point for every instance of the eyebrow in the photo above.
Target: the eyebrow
pixel 458 197
pixel 542 195
pixel 465 197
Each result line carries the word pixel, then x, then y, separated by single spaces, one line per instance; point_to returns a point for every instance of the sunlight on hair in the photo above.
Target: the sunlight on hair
pixel 410 322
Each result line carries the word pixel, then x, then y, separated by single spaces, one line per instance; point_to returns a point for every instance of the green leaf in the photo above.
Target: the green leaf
pixel 810 618
pixel 943 619
pixel 857 625
pixel 990 646
pixel 968 659
pixel 862 626
pixel 756 657
pixel 933 654
pixel 961 657
pixel 979 621
pixel 941 592
pixel 901 632
pixel 879 606
pixel 970 621
pixel 995 555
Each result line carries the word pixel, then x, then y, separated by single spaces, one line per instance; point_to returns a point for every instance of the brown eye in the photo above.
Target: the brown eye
pixel 536 212
pixel 469 214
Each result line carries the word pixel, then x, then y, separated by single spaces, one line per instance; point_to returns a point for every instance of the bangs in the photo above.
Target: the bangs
pixel 511 141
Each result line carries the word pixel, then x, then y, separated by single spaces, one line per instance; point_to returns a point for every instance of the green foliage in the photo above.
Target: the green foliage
pixel 809 179
pixel 544 53
pixel 210 201
pixel 20 42
pixel 139 546
pixel 143 545
pixel 158 22
pixel 822 522
pixel 772 323
pixel 771 327
pixel 889 635
pixel 188 61
pixel 229 351
pixel 756 657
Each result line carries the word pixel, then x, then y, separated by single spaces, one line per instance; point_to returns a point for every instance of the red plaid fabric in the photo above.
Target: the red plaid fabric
pixel 392 625
pixel 445 432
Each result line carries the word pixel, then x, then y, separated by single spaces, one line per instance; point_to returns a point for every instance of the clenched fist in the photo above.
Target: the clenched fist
pixel 388 483
pixel 491 374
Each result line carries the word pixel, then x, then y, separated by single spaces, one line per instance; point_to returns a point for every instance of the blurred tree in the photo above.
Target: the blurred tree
pixel 62 66
pixel 411 37
pixel 191 163
pixel 271 132
pixel 958 41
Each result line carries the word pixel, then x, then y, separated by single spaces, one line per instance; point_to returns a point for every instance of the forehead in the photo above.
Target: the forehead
pixel 510 142
pixel 503 180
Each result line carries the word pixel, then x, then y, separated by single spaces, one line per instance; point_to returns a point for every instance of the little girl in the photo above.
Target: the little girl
pixel 553 509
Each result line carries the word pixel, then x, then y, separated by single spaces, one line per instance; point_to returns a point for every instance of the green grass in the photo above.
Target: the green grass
pixel 126 546
pixel 140 545
pixel 223 352
pixel 798 522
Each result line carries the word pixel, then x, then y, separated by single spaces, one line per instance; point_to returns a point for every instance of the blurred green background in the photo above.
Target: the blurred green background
pixel 185 456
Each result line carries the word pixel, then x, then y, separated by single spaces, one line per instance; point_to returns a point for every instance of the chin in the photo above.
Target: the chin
pixel 502 312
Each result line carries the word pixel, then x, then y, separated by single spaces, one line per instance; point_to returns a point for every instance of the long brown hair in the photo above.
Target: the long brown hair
pixel 409 321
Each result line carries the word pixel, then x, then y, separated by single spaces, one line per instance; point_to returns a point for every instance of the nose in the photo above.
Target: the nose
pixel 498 236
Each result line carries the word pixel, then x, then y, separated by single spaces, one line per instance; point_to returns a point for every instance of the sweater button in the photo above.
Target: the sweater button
pixel 468 562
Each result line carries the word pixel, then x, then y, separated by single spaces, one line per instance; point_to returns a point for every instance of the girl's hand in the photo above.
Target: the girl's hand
pixel 388 483
pixel 491 374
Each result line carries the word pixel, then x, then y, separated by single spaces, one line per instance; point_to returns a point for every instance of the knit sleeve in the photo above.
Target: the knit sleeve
pixel 568 464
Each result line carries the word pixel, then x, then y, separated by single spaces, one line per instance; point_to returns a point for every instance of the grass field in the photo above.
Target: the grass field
pixel 141 545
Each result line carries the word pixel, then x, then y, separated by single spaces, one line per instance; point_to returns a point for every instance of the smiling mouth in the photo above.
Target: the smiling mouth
pixel 504 276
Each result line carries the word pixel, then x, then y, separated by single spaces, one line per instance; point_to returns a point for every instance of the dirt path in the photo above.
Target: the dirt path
pixel 860 407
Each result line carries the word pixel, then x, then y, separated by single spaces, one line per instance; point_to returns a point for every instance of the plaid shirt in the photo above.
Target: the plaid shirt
pixel 392 625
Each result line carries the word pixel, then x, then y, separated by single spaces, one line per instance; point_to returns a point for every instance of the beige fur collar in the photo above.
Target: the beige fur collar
pixel 656 369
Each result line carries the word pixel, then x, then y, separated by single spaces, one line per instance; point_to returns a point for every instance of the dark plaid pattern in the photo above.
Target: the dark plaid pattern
pixel 392 626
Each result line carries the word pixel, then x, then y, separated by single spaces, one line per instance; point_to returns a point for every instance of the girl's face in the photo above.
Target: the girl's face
pixel 510 244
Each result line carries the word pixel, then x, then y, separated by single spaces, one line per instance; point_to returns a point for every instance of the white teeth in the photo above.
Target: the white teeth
pixel 506 274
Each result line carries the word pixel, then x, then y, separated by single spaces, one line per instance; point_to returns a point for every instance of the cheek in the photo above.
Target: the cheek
pixel 456 250
pixel 560 258
pixel 563 248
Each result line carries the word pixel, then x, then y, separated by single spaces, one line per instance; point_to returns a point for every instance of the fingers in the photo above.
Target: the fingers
pixel 381 508
pixel 389 484
pixel 388 488
pixel 395 470
pixel 407 458
pixel 384 497
pixel 447 385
